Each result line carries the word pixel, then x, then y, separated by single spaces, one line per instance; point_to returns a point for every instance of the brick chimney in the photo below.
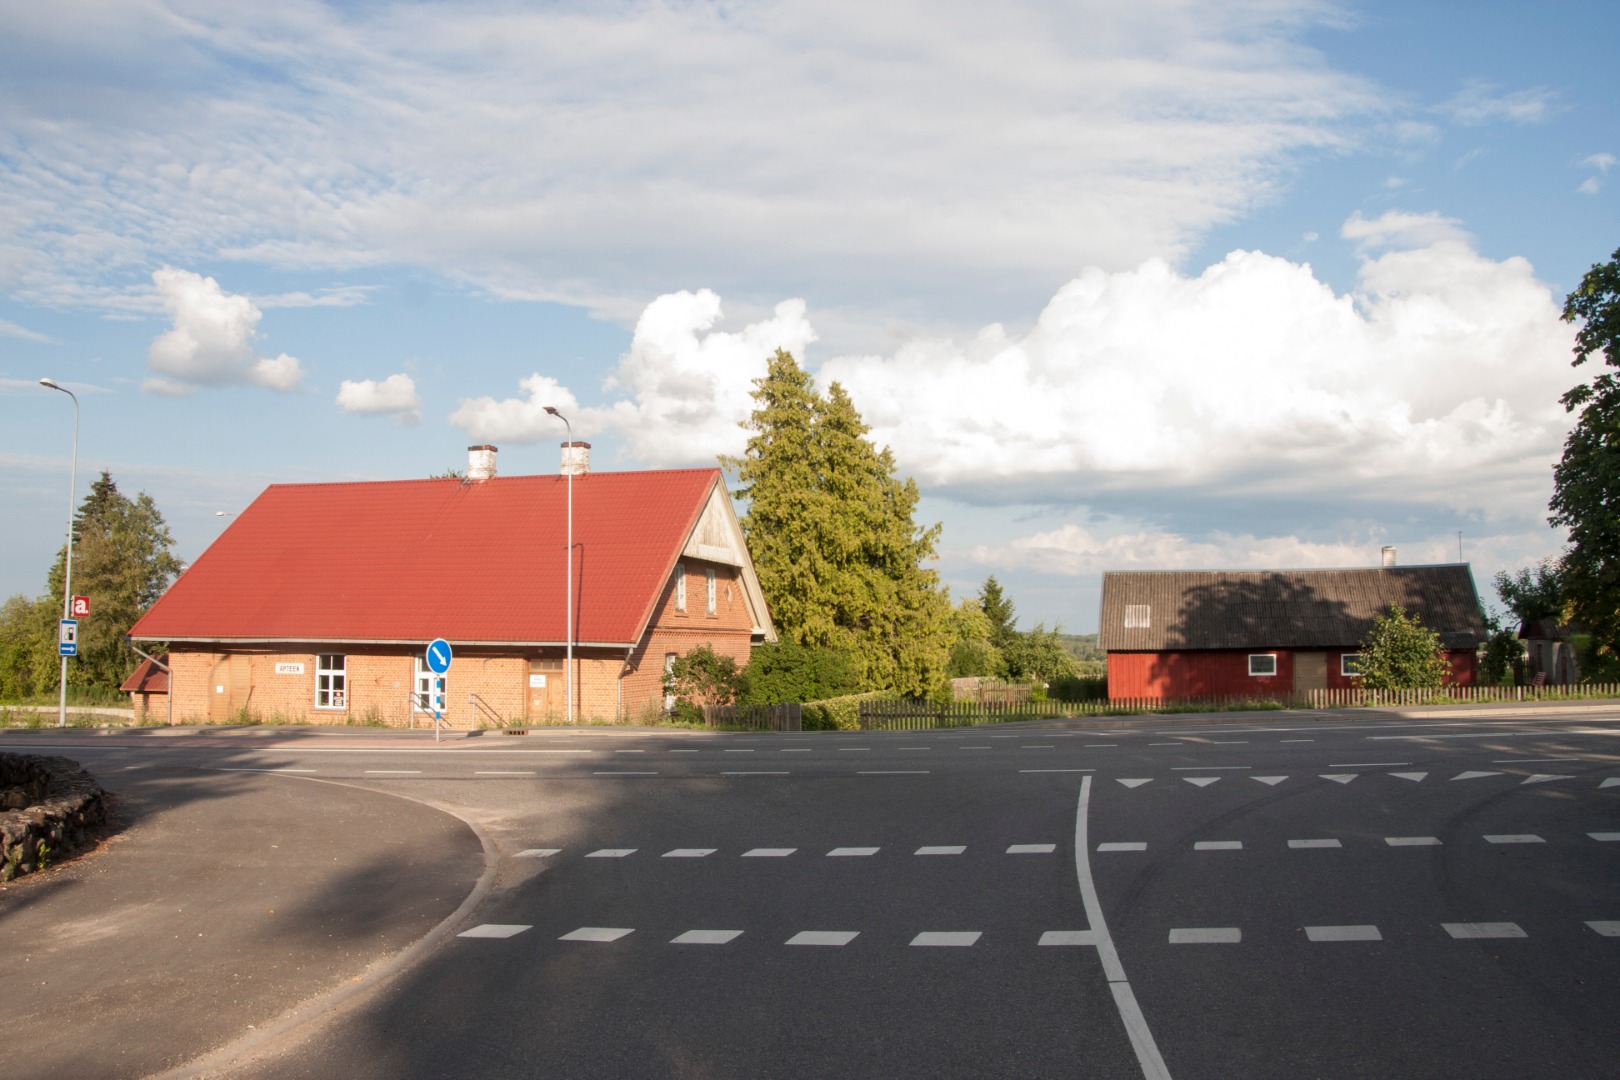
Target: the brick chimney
pixel 480 463
pixel 576 458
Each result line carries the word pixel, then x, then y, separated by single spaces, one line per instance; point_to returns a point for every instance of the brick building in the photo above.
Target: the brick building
pixel 1181 633
pixel 318 602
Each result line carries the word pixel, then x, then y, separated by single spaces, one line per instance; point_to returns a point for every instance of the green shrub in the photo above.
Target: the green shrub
pixel 1077 688
pixel 1400 653
pixel 787 671
pixel 836 714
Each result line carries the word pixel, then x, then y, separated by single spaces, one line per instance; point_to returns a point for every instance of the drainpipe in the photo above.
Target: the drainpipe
pixel 166 670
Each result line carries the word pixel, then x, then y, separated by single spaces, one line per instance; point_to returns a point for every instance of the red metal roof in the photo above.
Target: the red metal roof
pixel 411 560
pixel 148 678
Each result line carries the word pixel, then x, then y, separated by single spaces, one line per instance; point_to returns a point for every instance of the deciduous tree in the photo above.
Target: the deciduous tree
pixel 1586 481
pixel 1400 653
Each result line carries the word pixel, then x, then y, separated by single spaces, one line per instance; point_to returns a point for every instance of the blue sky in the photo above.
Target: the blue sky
pixel 1196 284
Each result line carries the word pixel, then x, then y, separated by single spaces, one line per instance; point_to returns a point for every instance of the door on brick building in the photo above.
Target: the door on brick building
pixel 1310 671
pixel 230 686
pixel 548 696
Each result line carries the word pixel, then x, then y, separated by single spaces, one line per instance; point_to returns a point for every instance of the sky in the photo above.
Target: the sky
pixel 1179 284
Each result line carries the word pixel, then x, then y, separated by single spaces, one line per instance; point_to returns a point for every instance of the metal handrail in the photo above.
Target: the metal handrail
pixel 483 706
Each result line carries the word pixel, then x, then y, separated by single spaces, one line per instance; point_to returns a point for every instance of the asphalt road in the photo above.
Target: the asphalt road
pixel 1270 898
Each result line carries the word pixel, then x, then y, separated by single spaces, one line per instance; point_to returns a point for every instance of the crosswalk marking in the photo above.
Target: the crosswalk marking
pixel 1468 930
pixel 1343 933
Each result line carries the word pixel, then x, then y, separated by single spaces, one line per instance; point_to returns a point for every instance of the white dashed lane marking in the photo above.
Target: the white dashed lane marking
pixel 537 853
pixel 1070 937
pixel 1206 935
pixel 494 772
pixel 1218 845
pixel 1314 844
pixel 706 937
pixel 1343 933
pixel 1515 838
pixel 495 930
pixel 1123 845
pixel 768 852
pixel 1047 849
pixel 597 933
pixel 1606 928
pixel 1484 930
pixel 851 851
pixel 942 849
pixel 689 852
pixel 1605 837
pixel 611 853
pixel 1412 841
pixel 823 937
pixel 947 938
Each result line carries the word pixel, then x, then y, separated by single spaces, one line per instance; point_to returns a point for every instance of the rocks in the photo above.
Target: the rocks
pixel 63 803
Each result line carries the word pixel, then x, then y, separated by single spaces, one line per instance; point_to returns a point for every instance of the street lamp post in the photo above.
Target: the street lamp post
pixel 67 576
pixel 568 577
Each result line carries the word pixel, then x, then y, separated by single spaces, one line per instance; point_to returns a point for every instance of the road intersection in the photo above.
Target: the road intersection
pixel 1268 896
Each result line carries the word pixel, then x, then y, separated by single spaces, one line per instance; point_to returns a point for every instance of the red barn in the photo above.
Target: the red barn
pixel 318 602
pixel 1190 633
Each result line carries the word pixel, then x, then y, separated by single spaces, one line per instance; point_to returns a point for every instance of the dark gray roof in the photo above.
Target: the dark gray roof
pixel 1282 609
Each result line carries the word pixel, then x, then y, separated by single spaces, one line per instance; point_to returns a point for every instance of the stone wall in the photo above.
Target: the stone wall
pixel 47 807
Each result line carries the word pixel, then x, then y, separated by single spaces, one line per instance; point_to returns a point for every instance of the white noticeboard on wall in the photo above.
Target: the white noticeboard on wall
pixel 289 669
pixel 538 682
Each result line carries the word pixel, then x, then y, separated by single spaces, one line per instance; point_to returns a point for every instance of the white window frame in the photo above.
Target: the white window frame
pixel 1345 659
pixel 424 688
pixel 669 666
pixel 1263 656
pixel 708 590
pixel 680 586
pixel 331 681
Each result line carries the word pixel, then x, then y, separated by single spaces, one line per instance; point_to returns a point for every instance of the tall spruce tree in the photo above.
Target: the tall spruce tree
pixel 999 609
pixel 832 535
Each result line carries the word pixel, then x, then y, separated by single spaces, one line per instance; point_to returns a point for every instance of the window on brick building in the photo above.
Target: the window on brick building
pixel 427 689
pixel 680 586
pixel 331 681
pixel 708 586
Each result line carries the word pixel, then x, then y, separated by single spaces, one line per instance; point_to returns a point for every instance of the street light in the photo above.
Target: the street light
pixel 568 576
pixel 67 577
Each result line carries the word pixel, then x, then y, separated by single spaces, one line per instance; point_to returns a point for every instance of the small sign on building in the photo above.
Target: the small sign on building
pixel 79 607
pixel 289 669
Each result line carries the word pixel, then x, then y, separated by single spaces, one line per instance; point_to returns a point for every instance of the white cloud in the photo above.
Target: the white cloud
pixel 1601 162
pixel 22 333
pixel 1073 550
pixel 1402 228
pixel 1479 103
pixel 688 385
pixel 211 340
pixel 523 420
pixel 394 396
pixel 1590 186
pixel 947 154
pixel 337 296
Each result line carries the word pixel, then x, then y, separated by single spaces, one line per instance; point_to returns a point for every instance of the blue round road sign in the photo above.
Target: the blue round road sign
pixel 438 656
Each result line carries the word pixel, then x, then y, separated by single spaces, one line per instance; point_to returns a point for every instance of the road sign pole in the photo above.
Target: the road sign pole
pixel 438 658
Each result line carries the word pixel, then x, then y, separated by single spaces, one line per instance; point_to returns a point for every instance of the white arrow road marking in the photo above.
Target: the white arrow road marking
pixel 1613 781
pixel 1541 778
pixel 1415 777
pixel 1201 781
pixel 1270 781
pixel 1339 778
pixel 1137 783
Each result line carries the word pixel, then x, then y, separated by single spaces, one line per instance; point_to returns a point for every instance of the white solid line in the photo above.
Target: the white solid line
pixel 769 852
pixel 1343 933
pixel 1529 760
pixel 947 938
pixel 1314 844
pixel 1514 838
pixel 942 849
pixel 1606 837
pixel 1206 935
pixel 537 853
pixel 493 772
pixel 842 851
pixel 1367 764
pixel 1068 937
pixel 1484 930
pixel 611 853
pixel 495 930
pixel 892 772
pixel 706 937
pixel 393 772
pixel 823 937
pixel 1412 841
pixel 1123 845
pixel 688 853
pixel 1042 849
pixel 1604 927
pixel 756 773
pixel 1130 1013
pixel 1218 845
pixel 596 933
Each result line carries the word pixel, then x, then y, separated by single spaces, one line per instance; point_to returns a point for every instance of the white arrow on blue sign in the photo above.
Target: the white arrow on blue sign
pixel 438 656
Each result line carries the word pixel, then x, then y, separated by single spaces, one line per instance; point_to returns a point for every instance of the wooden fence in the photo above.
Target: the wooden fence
pixel 1447 695
pixel 756 717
